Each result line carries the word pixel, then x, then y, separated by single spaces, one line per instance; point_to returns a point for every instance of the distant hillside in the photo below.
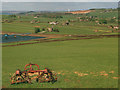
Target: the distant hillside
pixel 11 12
pixel 80 12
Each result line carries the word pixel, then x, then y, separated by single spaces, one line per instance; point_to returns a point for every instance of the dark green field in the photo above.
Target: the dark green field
pixel 84 63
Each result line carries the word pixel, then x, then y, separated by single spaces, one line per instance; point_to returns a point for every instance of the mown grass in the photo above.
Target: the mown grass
pixel 66 57
pixel 79 63
pixel 15 43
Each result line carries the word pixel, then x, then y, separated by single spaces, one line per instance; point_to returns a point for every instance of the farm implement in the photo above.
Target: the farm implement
pixel 30 74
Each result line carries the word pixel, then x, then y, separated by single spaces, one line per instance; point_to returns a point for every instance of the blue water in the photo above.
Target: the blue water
pixel 5 13
pixel 11 38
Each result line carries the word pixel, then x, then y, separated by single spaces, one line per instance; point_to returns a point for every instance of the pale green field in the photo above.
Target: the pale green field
pixel 66 57
pixel 87 63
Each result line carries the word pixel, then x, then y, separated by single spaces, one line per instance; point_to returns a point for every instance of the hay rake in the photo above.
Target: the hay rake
pixel 30 74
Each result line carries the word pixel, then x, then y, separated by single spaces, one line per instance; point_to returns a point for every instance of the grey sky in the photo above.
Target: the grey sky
pixel 60 0
pixel 55 6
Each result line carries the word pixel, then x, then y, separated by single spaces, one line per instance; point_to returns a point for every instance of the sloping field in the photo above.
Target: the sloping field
pixel 86 63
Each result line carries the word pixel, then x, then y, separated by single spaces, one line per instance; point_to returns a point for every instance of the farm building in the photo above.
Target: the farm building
pixel 53 23
pixel 35 17
pixel 50 29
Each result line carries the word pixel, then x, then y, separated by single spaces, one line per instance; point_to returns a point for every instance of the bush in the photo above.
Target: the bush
pixel 43 29
pixel 37 30
pixel 103 21
pixel 12 16
pixel 59 17
pixel 68 20
pixel 112 20
pixel 56 30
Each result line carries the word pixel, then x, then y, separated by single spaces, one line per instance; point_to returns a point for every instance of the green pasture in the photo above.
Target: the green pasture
pixel 85 63
pixel 90 57
pixel 74 28
pixel 23 25
pixel 103 14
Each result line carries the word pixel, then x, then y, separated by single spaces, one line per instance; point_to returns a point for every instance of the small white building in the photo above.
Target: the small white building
pixel 35 17
pixel 53 23
pixel 116 27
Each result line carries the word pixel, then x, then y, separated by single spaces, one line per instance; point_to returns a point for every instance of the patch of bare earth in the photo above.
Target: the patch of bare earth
pixel 81 12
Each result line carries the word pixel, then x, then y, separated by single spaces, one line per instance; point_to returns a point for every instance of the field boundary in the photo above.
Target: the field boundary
pixel 81 37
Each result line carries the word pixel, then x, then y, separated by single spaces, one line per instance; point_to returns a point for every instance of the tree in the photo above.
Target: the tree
pixel 56 30
pixel 112 20
pixel 103 21
pixel 69 20
pixel 43 29
pixel 12 16
pixel 37 30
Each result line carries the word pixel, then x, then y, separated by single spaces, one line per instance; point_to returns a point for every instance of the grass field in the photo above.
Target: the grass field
pixel 23 25
pixel 89 57
pixel 85 63
pixel 74 28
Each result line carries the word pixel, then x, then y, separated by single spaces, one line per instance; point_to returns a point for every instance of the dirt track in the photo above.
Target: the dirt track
pixel 81 37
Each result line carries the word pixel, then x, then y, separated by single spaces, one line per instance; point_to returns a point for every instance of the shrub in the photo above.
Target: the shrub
pixel 12 16
pixel 112 20
pixel 103 21
pixel 56 30
pixel 43 29
pixel 37 30
pixel 68 20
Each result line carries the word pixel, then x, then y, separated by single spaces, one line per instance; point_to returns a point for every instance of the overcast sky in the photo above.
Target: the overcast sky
pixel 60 0
pixel 55 6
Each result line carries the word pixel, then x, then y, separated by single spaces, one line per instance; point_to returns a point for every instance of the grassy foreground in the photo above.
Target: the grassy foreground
pixel 86 63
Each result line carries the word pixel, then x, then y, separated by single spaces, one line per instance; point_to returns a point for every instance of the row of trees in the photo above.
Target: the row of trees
pixel 52 15
pixel 96 19
pixel 37 30
pixel 104 21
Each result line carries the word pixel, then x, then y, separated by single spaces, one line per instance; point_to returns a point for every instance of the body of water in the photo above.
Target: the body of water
pixel 12 38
